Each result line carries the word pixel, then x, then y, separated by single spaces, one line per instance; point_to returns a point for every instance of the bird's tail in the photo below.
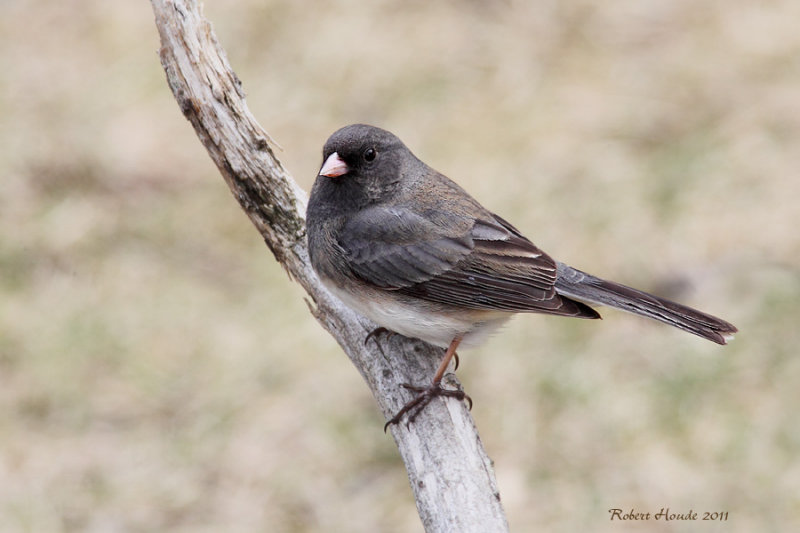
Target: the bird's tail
pixel 573 283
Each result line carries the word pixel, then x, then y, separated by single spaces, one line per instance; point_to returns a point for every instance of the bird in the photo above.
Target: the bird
pixel 408 248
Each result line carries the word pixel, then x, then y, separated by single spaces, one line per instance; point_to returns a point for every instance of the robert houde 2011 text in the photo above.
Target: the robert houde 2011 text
pixel 667 515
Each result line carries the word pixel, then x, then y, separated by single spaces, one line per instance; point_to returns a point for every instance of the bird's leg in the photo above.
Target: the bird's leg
pixel 383 331
pixel 426 394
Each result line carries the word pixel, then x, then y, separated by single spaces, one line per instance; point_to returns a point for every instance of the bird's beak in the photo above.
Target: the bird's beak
pixel 334 167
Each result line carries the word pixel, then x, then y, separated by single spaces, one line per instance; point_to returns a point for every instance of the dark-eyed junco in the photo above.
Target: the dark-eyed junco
pixel 408 248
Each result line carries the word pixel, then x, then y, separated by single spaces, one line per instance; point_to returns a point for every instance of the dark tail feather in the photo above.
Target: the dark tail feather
pixel 573 283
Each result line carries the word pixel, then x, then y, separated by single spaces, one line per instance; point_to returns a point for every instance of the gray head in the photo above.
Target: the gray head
pixel 360 148
pixel 361 165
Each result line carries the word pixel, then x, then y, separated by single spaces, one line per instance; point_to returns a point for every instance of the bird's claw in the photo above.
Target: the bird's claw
pixel 423 398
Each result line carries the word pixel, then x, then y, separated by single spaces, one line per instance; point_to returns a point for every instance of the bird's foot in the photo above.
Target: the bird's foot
pixel 423 398
pixel 378 331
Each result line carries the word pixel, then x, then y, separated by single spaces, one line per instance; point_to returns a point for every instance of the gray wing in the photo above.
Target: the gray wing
pixel 394 248
pixel 483 264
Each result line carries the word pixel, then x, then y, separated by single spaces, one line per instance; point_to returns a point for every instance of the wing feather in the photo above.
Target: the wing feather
pixel 482 264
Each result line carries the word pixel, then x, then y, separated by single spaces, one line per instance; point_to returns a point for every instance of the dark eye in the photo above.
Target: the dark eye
pixel 370 154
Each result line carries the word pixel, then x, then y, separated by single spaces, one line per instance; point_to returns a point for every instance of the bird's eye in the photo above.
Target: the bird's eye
pixel 370 154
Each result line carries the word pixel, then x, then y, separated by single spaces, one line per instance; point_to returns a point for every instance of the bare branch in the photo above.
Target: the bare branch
pixel 450 473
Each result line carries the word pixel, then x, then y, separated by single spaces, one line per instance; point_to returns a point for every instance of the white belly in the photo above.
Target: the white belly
pixel 417 322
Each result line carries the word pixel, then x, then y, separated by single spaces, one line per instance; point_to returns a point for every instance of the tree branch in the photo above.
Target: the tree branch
pixel 450 473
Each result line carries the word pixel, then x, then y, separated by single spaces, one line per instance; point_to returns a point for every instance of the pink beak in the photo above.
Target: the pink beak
pixel 334 167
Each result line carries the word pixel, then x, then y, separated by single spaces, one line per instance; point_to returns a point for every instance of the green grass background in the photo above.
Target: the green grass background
pixel 159 372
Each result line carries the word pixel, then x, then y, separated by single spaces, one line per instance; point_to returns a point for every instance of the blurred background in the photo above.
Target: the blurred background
pixel 159 372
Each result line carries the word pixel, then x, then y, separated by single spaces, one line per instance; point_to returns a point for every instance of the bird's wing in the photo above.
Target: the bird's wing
pixel 482 264
pixel 394 248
